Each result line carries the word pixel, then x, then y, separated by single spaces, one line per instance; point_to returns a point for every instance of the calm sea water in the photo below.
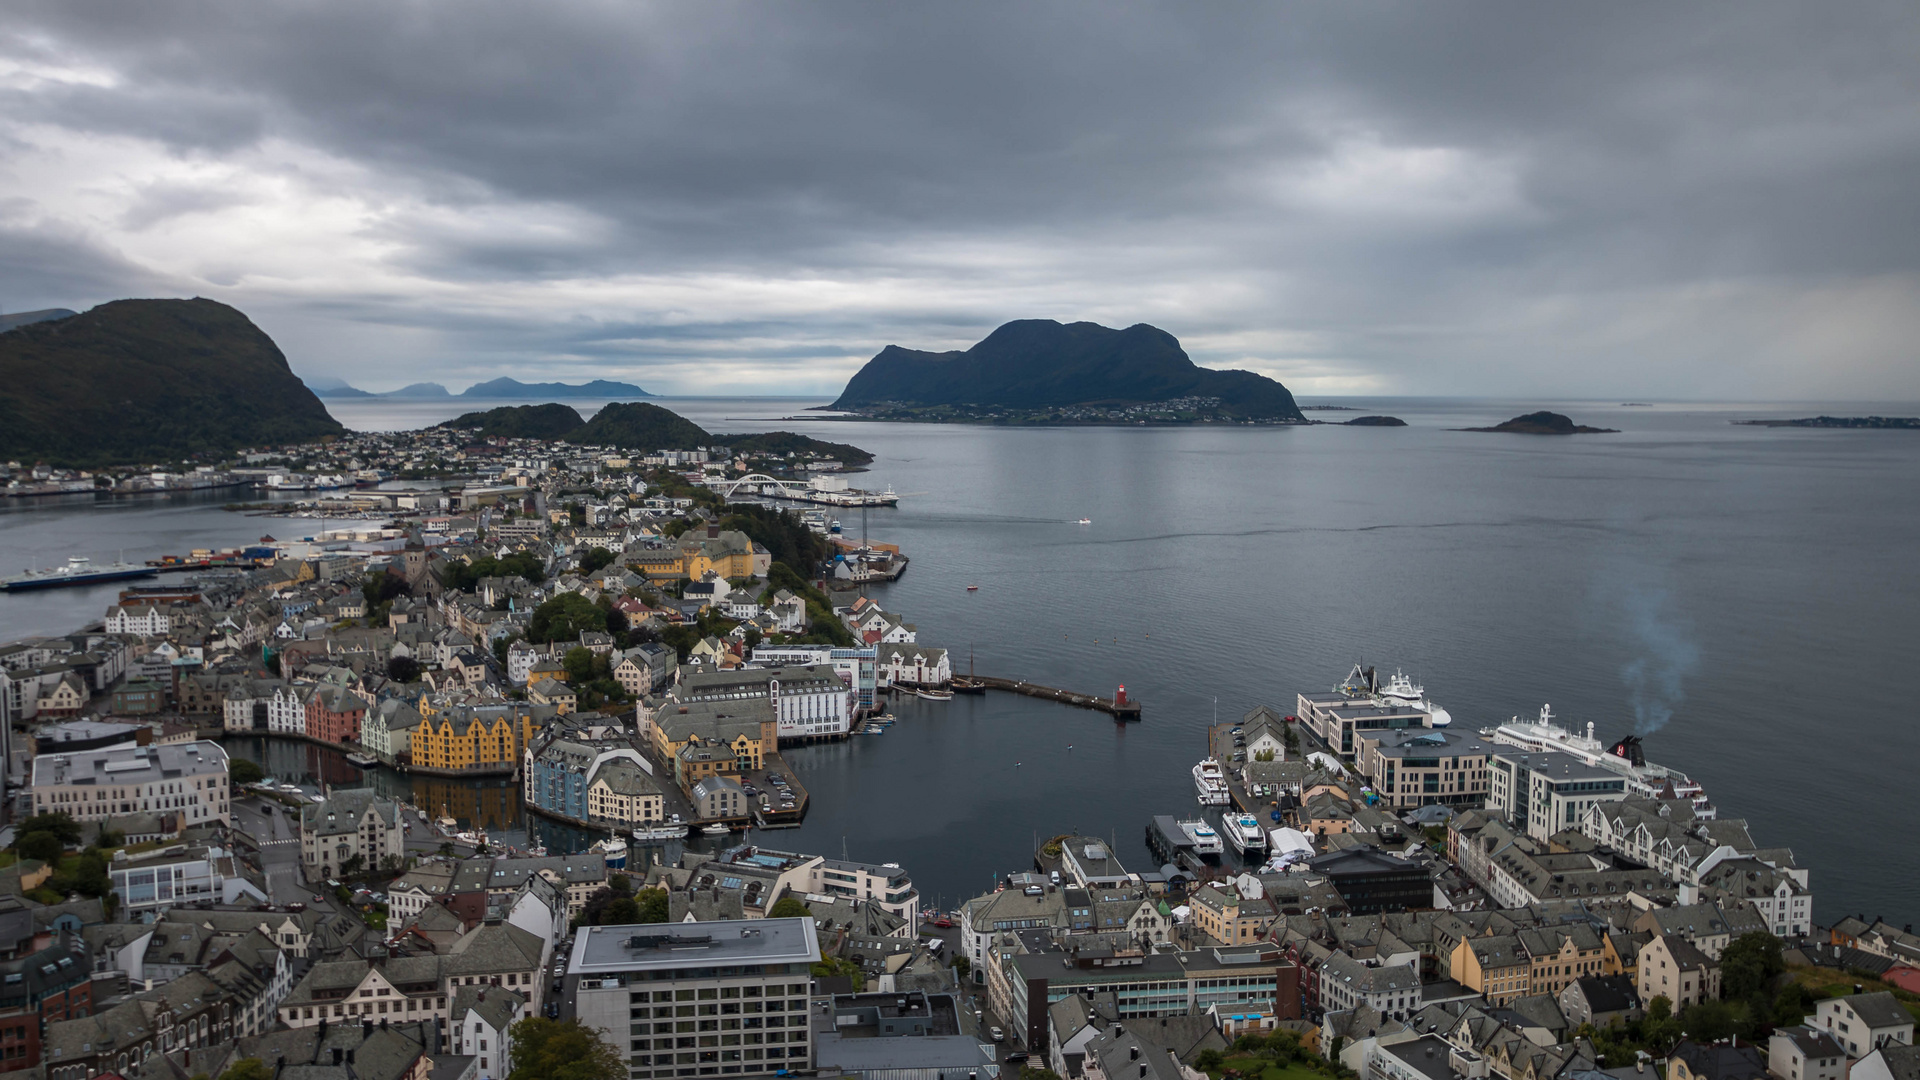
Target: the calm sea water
pixel 1742 596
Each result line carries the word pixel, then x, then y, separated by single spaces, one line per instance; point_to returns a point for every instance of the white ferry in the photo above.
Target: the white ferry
pixel 1206 842
pixel 1210 784
pixel 1245 834
pixel 660 833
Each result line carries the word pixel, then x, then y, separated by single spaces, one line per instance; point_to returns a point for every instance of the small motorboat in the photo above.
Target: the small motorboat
pixel 973 588
pixel 1084 521
pixel 933 695
pixel 716 829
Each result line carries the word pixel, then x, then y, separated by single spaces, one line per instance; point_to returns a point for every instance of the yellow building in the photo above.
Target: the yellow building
pixel 472 737
pixel 553 692
pixel 729 736
pixel 727 553
pixel 1497 967
pixel 1561 954
pixel 1218 912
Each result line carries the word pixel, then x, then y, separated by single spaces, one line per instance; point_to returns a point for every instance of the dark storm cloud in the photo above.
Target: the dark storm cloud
pixel 1408 196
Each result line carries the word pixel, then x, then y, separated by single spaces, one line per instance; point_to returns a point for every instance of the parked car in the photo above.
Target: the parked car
pixel 997 1034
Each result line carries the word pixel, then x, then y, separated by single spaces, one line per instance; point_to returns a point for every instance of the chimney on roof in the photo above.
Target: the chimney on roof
pixel 337 1052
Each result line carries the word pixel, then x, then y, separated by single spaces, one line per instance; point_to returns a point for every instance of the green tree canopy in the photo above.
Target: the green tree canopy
pixel 242 771
pixel 598 558
pixel 59 823
pixel 1749 964
pixel 546 1049
pixel 39 845
pixel 248 1069
pixel 789 907
pixel 563 618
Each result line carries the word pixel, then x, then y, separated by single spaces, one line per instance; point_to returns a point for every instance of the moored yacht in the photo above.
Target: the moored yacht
pixel 1210 784
pixel 1245 834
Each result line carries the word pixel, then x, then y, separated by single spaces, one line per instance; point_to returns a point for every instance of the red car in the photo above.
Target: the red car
pixel 943 923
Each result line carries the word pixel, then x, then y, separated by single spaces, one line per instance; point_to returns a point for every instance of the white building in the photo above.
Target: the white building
pixel 266 705
pixel 349 824
pixel 1864 1022
pixel 189 779
pixel 915 665
pixel 183 874
pixel 139 620
pixel 809 702
pixel 478 1026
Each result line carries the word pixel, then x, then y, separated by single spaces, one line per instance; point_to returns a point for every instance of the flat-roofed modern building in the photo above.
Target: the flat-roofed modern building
pixel 1546 793
pixel 188 779
pixel 725 998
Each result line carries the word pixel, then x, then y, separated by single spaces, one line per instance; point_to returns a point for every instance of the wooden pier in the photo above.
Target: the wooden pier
pixel 1125 710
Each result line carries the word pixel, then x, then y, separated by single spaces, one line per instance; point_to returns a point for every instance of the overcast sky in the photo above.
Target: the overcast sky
pixel 1618 199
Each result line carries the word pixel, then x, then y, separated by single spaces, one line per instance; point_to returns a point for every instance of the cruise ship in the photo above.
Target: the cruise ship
pixel 1210 784
pixel 1644 779
pixel 79 570
pixel 1206 841
pixel 1245 834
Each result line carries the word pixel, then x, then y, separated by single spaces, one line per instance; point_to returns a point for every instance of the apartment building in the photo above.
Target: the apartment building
pixel 725 998
pixel 188 779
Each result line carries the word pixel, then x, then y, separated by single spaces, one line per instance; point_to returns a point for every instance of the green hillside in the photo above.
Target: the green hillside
pixel 140 381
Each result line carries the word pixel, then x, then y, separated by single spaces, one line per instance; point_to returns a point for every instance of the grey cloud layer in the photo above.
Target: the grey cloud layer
pixel 1417 198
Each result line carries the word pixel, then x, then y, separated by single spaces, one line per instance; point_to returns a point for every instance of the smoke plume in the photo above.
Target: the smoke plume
pixel 1656 678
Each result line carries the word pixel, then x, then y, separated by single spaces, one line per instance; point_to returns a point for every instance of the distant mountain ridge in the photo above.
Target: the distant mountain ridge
pixel 503 389
pixel 28 318
pixel 149 381
pixel 1039 364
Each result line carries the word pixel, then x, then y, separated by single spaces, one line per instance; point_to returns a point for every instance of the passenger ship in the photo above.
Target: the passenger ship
pixel 1245 834
pixel 1210 784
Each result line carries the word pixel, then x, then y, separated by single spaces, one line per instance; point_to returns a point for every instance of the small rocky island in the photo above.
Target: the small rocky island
pixel 1545 423
pixel 1374 421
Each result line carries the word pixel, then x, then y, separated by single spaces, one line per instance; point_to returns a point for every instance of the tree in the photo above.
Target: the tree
pixel 1749 964
pixel 242 771
pixel 563 618
pixel 248 1069
pixel 546 1049
pixel 1209 1061
pixel 621 911
pixel 1028 1072
pixel 1660 1008
pixel 598 558
pixel 652 904
pixel 403 669
pixel 789 907
pixel 59 823
pixel 43 846
pixel 579 663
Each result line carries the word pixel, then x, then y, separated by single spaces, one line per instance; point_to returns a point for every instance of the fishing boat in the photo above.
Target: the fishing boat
pixel 1246 835
pixel 613 850
pixel 932 695
pixel 364 760
pixel 1210 784
pixel 973 588
pixel 79 570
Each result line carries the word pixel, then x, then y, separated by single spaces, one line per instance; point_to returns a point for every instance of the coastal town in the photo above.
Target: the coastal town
pixel 1364 887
